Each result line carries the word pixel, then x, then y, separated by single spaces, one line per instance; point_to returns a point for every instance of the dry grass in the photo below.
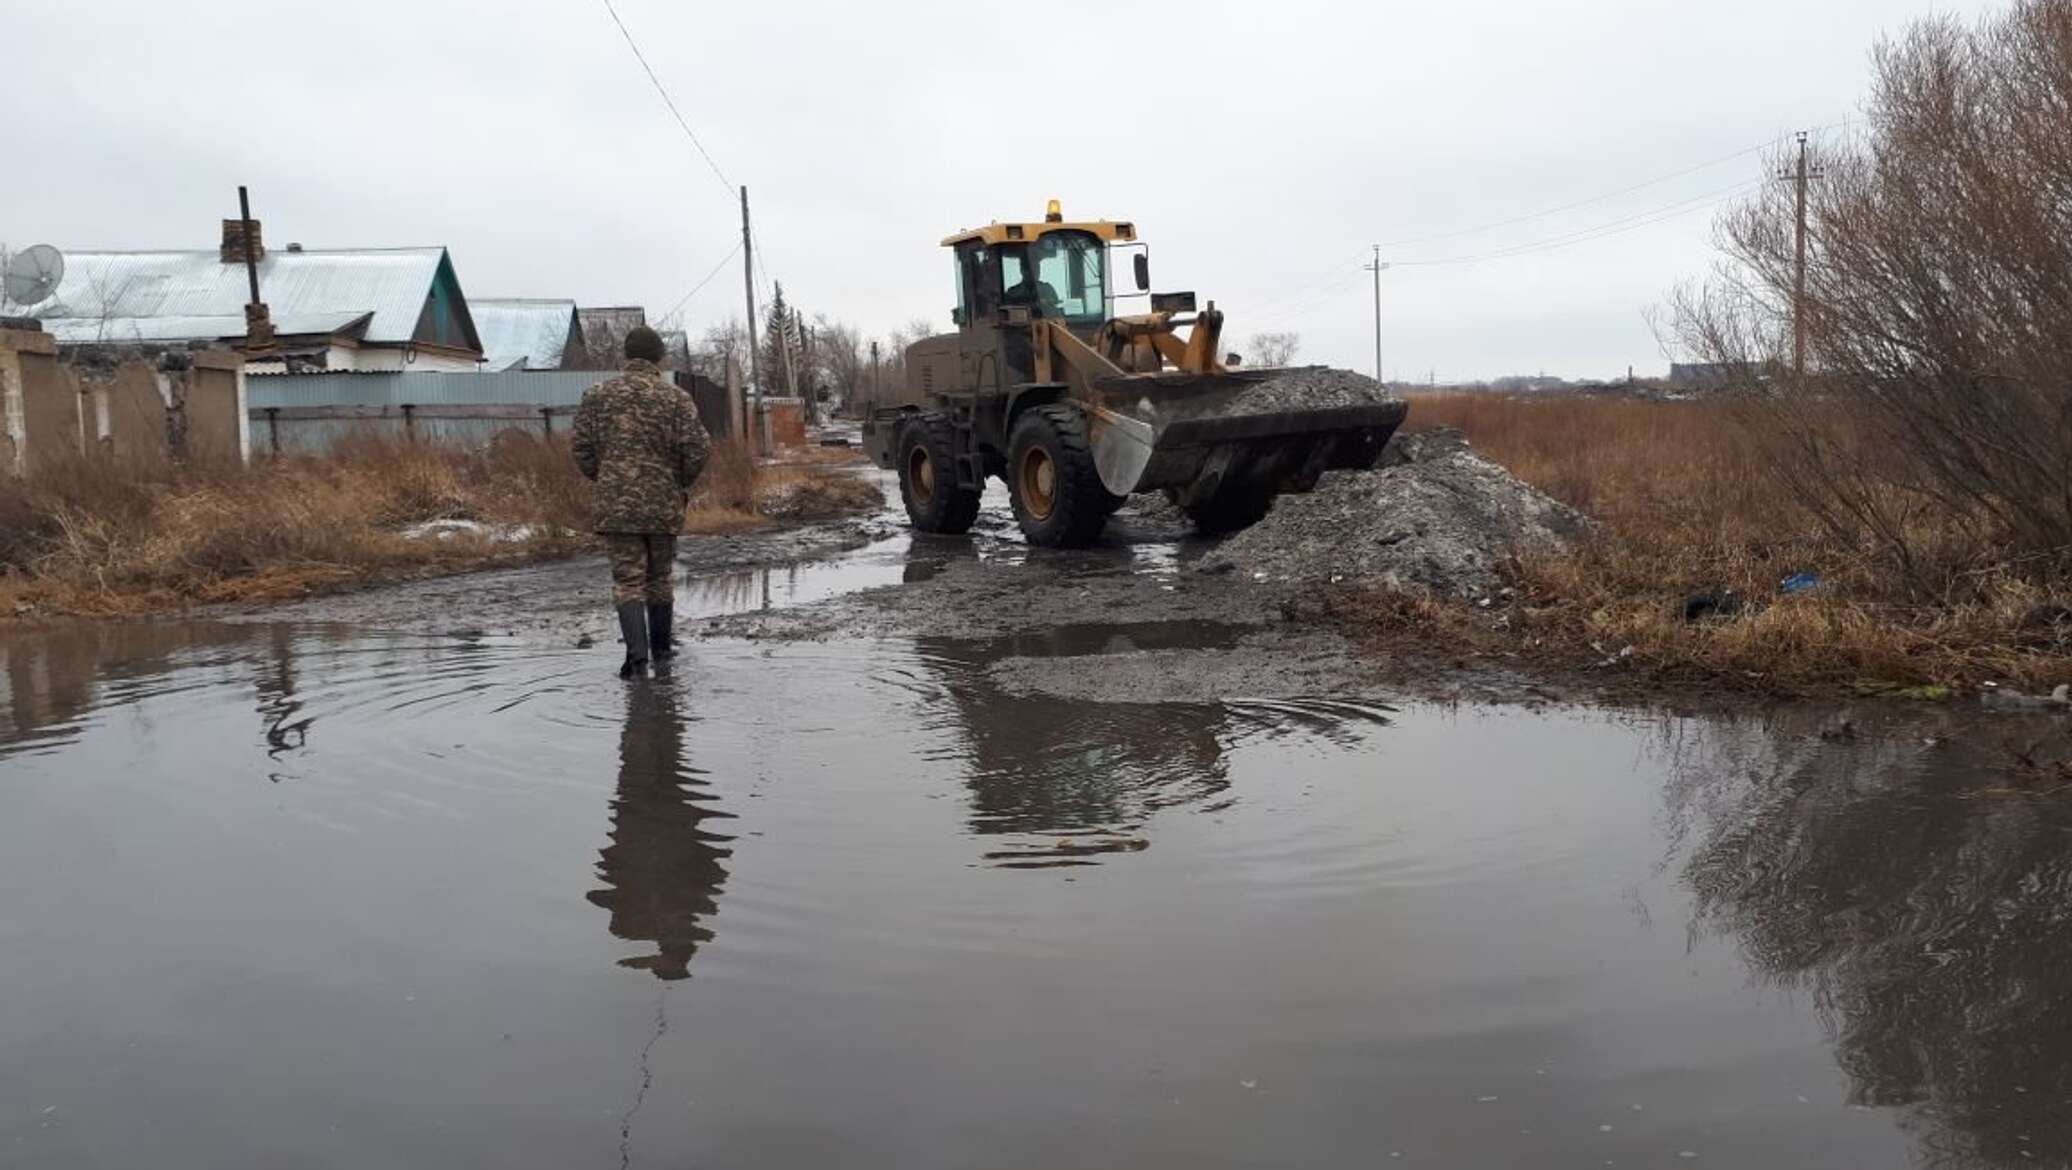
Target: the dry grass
pixel 94 537
pixel 1686 504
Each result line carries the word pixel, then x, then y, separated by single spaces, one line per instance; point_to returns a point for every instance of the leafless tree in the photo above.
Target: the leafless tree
pixel 1934 418
pixel 719 344
pixel 842 359
pixel 1273 350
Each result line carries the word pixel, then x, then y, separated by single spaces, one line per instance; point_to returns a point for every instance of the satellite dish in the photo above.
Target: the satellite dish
pixel 33 274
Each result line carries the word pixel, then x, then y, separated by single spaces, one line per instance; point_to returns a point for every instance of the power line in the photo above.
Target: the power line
pixel 1640 186
pixel 698 287
pixel 1600 231
pixel 1268 319
pixel 666 99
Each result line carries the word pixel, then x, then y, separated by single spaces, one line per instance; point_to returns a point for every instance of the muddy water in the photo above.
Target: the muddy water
pixel 312 897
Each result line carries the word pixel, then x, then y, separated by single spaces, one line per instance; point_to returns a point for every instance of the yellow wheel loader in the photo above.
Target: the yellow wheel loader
pixel 1076 409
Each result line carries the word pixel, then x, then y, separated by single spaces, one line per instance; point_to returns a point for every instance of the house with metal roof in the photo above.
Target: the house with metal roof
pixel 332 309
pixel 604 329
pixel 527 334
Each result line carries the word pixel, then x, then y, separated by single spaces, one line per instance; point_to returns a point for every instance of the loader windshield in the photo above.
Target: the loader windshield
pixel 1070 266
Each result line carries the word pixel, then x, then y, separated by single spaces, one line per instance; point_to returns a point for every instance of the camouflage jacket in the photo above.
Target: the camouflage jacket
pixel 639 437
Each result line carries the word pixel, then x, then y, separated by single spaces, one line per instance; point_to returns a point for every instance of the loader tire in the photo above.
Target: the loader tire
pixel 1229 510
pixel 928 477
pixel 1058 497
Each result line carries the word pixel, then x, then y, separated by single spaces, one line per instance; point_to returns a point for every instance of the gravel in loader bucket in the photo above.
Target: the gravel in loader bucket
pixel 1307 388
pixel 1252 432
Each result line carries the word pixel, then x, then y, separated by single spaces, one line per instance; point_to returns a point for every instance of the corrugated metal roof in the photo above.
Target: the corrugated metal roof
pixel 509 387
pixel 124 330
pixel 392 284
pixel 523 334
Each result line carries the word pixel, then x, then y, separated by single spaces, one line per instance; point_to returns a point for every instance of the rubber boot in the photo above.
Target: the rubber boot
pixel 661 641
pixel 633 628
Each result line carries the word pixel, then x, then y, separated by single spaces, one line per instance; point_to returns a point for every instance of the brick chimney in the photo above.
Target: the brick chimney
pixel 234 242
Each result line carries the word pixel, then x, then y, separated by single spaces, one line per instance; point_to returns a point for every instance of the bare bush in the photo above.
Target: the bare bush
pixel 1933 420
pixel 1274 350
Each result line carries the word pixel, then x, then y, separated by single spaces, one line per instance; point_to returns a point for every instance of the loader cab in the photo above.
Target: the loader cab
pixel 1051 269
pixel 1061 274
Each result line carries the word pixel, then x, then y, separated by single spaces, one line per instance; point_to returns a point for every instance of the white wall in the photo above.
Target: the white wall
pixel 425 362
pixel 347 359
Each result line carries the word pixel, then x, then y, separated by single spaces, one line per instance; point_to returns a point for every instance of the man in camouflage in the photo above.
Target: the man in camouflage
pixel 639 437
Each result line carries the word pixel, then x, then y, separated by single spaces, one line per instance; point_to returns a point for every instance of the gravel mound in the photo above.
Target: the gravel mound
pixel 1436 518
pixel 1307 388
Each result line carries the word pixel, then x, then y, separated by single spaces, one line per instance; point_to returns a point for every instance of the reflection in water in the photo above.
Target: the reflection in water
pixel 662 870
pixel 280 709
pixel 1928 908
pixel 56 678
pixel 1081 778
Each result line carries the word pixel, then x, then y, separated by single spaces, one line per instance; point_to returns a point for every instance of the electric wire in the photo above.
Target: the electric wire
pixel 666 99
pixel 1600 231
pixel 699 287
pixel 1600 198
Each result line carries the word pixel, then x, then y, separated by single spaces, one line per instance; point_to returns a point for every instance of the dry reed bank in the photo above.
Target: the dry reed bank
pixel 97 538
pixel 1688 505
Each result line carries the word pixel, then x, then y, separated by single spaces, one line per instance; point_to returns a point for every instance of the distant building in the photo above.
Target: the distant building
pixel 604 331
pixel 332 309
pixel 520 334
pixel 1714 375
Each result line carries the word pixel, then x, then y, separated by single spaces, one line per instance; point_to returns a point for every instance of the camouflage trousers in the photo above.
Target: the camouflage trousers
pixel 641 566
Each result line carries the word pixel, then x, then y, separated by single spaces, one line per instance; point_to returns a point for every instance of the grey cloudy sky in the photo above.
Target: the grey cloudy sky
pixel 1261 147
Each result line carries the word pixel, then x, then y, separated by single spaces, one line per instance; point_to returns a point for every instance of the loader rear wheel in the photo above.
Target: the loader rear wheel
pixel 1058 497
pixel 1229 510
pixel 928 477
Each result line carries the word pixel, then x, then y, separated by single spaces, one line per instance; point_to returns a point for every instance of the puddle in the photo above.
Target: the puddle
pixel 717 595
pixel 306 895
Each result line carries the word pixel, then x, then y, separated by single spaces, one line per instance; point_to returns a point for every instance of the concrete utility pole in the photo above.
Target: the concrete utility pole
pixel 811 403
pixel 1377 268
pixel 791 380
pixel 1798 293
pixel 874 379
pixel 755 361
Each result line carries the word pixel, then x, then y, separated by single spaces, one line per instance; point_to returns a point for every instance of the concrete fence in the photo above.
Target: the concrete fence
pixel 186 404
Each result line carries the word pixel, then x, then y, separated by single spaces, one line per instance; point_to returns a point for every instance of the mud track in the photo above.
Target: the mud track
pixel 1163 630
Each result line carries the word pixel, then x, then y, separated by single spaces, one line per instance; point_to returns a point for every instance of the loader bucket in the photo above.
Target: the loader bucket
pixel 1198 434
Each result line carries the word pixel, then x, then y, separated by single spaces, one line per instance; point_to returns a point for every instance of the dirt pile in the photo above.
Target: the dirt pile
pixel 1435 518
pixel 1307 388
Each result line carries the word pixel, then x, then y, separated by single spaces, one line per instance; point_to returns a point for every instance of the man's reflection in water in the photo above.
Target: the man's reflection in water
pixel 662 870
pixel 1922 891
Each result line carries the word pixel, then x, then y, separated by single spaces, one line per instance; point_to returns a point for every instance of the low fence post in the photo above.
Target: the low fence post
pixel 273 429
pixel 409 422
pixel 547 421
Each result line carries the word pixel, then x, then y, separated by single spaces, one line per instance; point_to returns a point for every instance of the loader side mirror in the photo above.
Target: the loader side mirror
pixel 957 315
pixel 1143 269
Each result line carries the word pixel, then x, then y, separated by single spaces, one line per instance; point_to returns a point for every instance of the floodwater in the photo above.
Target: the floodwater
pixel 316 897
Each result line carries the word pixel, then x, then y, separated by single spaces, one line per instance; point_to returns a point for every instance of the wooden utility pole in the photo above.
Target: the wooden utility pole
pixel 755 361
pixel 874 379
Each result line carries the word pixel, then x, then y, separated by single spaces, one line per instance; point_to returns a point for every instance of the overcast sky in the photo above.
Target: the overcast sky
pixel 1260 147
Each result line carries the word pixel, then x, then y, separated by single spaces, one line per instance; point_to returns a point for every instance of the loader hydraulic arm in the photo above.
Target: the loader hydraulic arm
pixel 1142 344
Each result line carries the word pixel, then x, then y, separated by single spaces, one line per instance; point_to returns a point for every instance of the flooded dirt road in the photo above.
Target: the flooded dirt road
pixel 321 895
